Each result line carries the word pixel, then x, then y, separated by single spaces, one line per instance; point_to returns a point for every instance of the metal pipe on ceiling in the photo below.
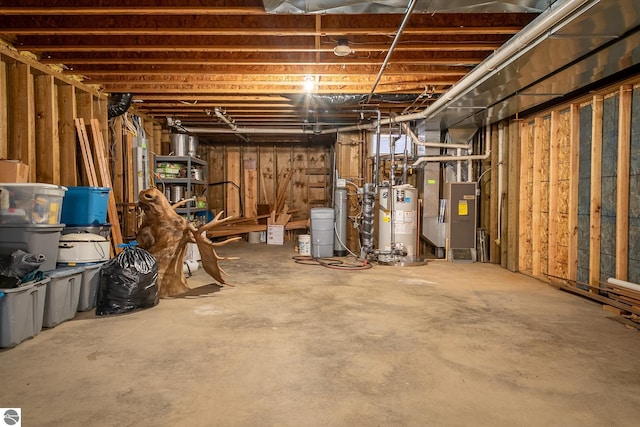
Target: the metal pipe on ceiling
pixel 243 130
pixel 539 29
pixel 232 125
pixel 405 20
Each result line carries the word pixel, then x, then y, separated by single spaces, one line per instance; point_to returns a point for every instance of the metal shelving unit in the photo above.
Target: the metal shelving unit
pixel 190 184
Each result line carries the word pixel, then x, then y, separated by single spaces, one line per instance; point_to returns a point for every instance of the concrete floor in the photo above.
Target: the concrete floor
pixel 293 345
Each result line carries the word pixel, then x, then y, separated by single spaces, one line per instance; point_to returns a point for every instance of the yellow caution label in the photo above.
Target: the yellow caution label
pixel 463 208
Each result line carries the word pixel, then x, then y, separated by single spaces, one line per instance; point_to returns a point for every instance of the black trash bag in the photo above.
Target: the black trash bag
pixel 20 263
pixel 128 282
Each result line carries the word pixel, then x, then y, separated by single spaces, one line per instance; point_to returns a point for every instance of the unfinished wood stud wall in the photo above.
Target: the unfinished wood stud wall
pixel 37 108
pixel 46 123
pixel 579 202
pixel 245 179
pixel 4 117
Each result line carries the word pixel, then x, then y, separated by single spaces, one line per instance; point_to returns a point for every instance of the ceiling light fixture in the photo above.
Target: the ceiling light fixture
pixel 342 48
pixel 309 84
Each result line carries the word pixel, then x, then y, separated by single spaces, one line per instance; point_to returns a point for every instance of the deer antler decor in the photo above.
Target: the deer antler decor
pixel 165 235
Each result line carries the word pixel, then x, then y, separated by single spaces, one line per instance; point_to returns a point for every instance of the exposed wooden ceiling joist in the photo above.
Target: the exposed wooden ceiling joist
pixel 184 58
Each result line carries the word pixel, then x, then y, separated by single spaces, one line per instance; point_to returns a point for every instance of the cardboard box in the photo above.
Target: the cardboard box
pixel 275 235
pixel 13 171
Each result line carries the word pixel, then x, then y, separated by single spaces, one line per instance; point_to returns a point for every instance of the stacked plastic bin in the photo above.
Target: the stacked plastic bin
pixel 29 220
pixel 84 211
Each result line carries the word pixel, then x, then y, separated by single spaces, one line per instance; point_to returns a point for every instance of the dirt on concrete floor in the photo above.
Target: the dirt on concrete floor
pixel 445 344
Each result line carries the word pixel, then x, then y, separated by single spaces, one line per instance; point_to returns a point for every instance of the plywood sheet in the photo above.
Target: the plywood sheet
pixel 266 175
pixel 250 182
pixel 299 183
pixel 233 170
pixel 284 166
pixel 216 158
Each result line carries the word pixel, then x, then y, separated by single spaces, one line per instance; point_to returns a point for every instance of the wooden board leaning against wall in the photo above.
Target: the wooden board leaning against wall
pixel 579 213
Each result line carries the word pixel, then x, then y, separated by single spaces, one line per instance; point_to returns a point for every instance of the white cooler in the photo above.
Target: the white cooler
pixel 77 248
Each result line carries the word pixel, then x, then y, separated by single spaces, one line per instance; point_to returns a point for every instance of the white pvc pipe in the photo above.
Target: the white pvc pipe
pixel 469 168
pixel 484 156
pixel 232 125
pixel 458 165
pixel 500 172
pixel 265 131
pixel 450 158
pixel 624 284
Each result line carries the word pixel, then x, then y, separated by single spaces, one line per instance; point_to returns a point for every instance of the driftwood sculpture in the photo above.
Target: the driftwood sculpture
pixel 165 235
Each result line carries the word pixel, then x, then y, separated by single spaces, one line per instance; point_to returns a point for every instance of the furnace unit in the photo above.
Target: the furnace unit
pixel 460 220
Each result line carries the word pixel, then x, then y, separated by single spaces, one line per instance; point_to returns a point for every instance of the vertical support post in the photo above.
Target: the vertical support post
pixel 523 206
pixel 494 197
pixel 512 188
pixel 622 185
pixel 596 192
pixel 46 125
pixel 4 114
pixel 536 208
pixel 574 177
pixel 554 149
pixel 67 135
pixel 22 139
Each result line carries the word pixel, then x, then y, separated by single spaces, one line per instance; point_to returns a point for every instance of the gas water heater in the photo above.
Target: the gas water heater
pixel 397 221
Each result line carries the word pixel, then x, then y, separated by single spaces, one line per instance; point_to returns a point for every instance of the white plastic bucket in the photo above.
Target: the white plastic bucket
pixel 304 244
pixel 254 237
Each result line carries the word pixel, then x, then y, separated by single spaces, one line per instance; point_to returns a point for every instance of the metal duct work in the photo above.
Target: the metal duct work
pixel 352 99
pixel 400 6
pixel 368 220
pixel 566 26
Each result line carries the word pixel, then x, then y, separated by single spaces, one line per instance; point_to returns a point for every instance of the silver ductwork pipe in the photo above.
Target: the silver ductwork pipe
pixel 405 20
pixel 417 141
pixel 539 27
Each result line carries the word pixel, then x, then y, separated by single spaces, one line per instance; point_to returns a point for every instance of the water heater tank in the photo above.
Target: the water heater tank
pixel 397 219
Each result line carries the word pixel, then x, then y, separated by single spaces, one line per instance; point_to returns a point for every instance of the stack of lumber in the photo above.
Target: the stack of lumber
pixel 280 214
pixel 625 294
pixel 94 148
pixel 284 177
pixel 623 301
pixel 247 225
